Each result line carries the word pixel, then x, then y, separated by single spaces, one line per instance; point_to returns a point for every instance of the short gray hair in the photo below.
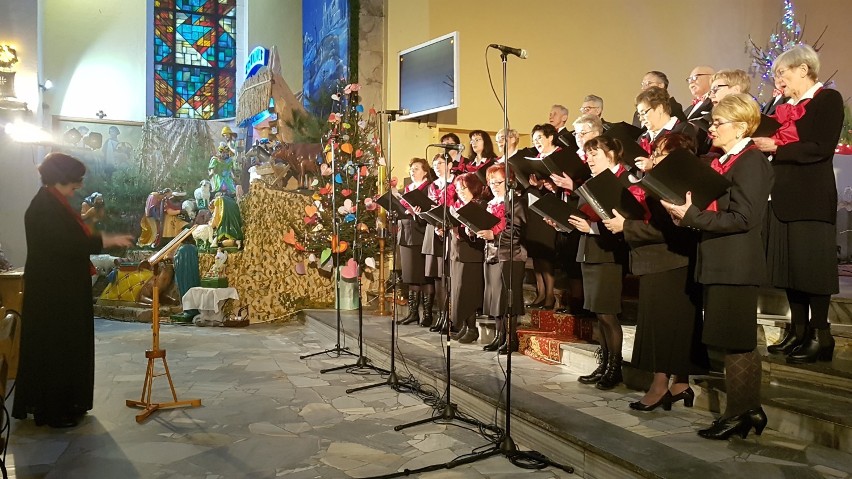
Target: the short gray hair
pixel 592 121
pixel 561 109
pixel 799 55
pixel 594 98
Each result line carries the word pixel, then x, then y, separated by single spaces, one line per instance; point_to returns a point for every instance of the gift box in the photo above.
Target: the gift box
pixel 214 282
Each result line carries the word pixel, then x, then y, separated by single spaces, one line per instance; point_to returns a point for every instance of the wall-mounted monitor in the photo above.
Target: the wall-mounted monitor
pixel 428 76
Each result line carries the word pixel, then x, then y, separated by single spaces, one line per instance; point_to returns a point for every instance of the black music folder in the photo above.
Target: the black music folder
pixel 390 202
pixel 523 168
pixel 605 192
pixel 682 171
pixel 767 127
pixel 435 217
pixel 628 135
pixel 417 198
pixel 550 206
pixel 476 218
pixel 564 162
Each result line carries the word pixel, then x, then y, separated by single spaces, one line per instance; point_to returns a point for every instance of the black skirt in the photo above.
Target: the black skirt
pixel 668 327
pixel 466 286
pixel 413 264
pixel 730 317
pixel 802 255
pixel 495 300
pixel 434 266
pixel 602 287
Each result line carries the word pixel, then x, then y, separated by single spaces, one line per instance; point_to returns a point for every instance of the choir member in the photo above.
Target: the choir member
pixel 410 243
pixel 658 79
pixel 593 105
pixel 669 320
pixel 730 263
pixel 801 230
pixel 466 257
pixel 505 258
pixel 558 117
pixel 654 111
pixel 603 256
pixel 725 82
pixel 698 113
pixel 503 140
pixel 482 153
pixel 441 191
pixel 540 238
pixel 456 156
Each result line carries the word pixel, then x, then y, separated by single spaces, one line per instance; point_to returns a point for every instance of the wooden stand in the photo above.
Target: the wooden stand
pixel 155 352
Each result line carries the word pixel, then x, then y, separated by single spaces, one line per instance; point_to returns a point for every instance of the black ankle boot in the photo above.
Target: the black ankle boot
pixel 428 301
pixel 793 337
pixel 499 338
pixel 471 335
pixel 461 332
pixel 413 309
pixel 510 344
pixel 441 318
pixel 612 376
pixel 818 347
pixel 602 355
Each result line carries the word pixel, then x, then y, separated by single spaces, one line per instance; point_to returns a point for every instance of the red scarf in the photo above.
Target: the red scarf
pixel 723 168
pixel 787 114
pixel 64 202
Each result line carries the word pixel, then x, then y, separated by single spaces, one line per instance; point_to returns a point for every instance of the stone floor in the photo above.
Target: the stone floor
pixel 266 413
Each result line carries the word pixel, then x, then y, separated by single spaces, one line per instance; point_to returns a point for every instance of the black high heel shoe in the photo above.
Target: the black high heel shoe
pixel 665 401
pixel 687 395
pixel 722 429
pixel 758 420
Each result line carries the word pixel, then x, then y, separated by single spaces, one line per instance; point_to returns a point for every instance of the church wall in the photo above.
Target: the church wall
pixel 18 177
pixel 95 53
pixel 278 23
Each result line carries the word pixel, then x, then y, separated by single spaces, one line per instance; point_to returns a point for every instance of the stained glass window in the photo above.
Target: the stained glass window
pixel 195 58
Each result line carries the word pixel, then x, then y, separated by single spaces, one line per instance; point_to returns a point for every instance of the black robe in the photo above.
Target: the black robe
pixel 57 362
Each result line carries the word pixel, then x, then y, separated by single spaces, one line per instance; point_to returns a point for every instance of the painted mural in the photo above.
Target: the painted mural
pixel 325 48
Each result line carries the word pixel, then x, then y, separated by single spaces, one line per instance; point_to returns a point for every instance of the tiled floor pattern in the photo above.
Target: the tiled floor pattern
pixel 267 414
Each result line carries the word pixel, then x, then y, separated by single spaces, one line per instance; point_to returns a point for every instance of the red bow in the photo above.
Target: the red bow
pixel 645 143
pixel 723 168
pixel 787 114
pixel 696 101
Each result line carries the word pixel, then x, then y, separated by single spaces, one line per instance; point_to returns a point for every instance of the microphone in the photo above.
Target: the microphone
pixel 403 112
pixel 448 147
pixel 518 52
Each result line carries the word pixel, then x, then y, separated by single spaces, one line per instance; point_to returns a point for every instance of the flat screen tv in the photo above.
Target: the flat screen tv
pixel 428 76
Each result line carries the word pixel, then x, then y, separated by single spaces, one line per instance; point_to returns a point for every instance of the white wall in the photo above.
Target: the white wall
pixel 94 52
pixel 18 176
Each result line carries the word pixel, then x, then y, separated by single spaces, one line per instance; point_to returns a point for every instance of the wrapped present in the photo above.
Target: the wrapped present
pixel 214 282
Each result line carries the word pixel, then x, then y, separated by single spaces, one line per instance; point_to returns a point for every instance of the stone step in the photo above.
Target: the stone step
pixel 809 402
pixel 133 312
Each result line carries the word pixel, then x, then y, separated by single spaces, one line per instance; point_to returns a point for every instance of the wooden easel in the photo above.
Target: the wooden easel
pixel 155 352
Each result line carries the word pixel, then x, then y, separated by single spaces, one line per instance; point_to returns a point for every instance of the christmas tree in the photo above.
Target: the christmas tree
pixel 788 33
pixel 345 191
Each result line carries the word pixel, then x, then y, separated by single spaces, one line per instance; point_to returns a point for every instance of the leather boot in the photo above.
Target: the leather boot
pixel 428 301
pixel 794 335
pixel 602 355
pixel 413 309
pixel 818 347
pixel 612 376
pixel 471 335
pixel 511 342
pixel 499 337
pixel 439 322
pixel 461 332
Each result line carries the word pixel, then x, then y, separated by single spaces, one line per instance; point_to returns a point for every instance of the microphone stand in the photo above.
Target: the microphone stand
pixel 337 349
pixel 505 446
pixel 449 411
pixel 362 362
pixel 392 380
